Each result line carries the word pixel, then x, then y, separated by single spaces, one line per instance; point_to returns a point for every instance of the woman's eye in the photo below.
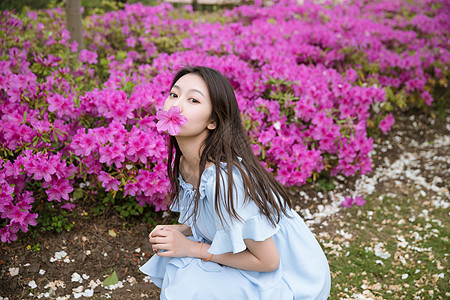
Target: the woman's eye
pixel 173 95
pixel 194 100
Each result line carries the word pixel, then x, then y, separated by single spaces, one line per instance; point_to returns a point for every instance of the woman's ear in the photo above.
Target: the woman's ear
pixel 211 125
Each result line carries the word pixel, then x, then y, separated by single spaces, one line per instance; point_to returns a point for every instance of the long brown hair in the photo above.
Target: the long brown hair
pixel 227 143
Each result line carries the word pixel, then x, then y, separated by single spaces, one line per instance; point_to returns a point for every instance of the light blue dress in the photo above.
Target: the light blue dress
pixel 303 272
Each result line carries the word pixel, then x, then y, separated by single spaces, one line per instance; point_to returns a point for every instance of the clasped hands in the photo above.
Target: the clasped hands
pixel 172 240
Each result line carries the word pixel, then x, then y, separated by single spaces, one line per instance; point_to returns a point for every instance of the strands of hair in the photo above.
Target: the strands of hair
pixel 227 143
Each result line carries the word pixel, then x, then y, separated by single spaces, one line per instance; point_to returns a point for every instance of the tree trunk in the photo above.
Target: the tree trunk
pixel 195 5
pixel 73 22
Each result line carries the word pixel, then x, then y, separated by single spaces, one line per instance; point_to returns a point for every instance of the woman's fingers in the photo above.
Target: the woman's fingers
pixel 157 229
pixel 164 253
pixel 157 247
pixel 161 237
pixel 161 250
pixel 165 241
pixel 159 233
pixel 158 240
pixel 160 230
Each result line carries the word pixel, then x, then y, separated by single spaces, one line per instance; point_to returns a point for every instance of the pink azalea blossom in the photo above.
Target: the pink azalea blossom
pixel 170 121
pixel 58 189
pixel 130 41
pixel 73 47
pixel 29 219
pixel 27 201
pixel 131 189
pixel 386 123
pixel 43 169
pixel 32 15
pixel 60 105
pixel 158 202
pixel 89 143
pixel 88 56
pixel 17 215
pixel 108 182
pixel 348 202
pixel 112 154
pixel 68 206
pixel 6 235
pixel 359 200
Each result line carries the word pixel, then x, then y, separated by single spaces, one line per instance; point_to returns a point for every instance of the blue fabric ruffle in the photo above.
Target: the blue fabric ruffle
pixel 231 239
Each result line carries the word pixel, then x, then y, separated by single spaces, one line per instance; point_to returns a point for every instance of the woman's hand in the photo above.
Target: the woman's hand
pixel 186 230
pixel 173 241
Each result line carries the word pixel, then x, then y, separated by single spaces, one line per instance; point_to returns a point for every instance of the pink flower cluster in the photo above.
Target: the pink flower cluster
pixel 115 145
pixel 16 202
pixel 309 79
pixel 126 152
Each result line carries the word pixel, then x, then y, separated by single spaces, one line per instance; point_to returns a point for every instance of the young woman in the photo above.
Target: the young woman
pixel 238 238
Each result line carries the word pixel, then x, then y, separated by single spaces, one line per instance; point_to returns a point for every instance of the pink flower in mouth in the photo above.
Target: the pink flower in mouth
pixel 170 121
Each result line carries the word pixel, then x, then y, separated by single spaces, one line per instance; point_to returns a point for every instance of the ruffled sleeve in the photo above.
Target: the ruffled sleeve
pixel 230 233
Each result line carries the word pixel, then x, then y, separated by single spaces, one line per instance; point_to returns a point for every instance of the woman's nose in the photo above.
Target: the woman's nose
pixel 178 103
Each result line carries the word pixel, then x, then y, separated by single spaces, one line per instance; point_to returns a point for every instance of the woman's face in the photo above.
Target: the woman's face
pixel 191 95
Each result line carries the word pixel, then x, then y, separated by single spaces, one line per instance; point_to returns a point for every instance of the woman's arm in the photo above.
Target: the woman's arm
pixel 259 256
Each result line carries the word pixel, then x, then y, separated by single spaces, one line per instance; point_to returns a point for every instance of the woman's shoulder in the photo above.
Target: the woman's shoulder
pixel 211 174
pixel 210 177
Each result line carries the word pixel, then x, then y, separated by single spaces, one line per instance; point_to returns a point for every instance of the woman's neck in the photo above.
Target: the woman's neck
pixel 191 149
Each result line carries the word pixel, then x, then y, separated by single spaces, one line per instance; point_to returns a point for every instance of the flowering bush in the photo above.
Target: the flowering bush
pixel 311 82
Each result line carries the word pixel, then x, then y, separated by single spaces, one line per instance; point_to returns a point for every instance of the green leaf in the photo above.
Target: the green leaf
pixel 128 86
pixel 111 280
pixel 61 132
pixel 55 137
pixel 103 62
pixel 78 194
pixel 121 55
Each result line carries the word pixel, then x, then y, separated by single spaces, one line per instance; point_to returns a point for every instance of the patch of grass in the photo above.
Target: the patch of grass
pixel 391 248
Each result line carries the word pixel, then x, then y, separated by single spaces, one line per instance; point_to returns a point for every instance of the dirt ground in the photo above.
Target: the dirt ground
pixel 71 263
